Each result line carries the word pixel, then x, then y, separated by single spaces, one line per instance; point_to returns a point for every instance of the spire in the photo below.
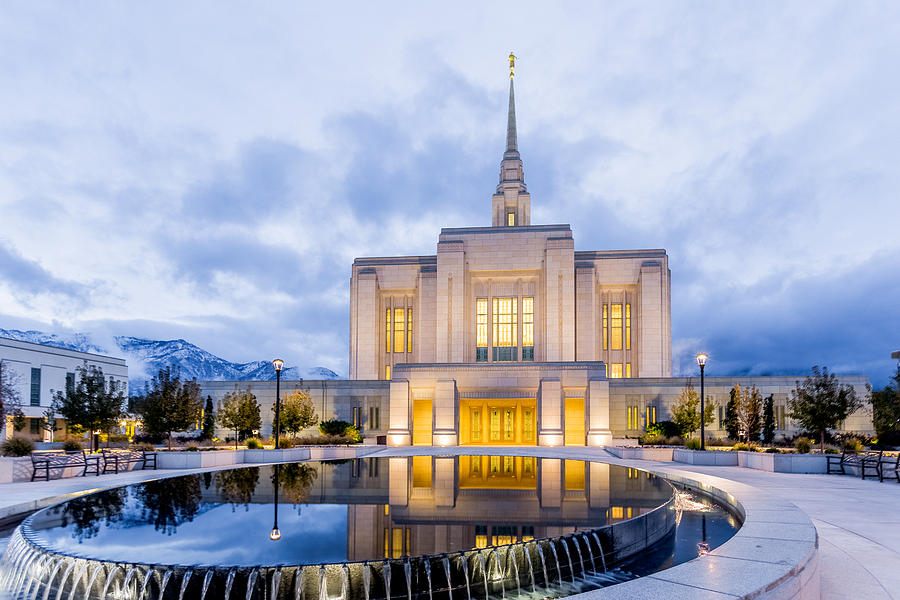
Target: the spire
pixel 512 144
pixel 511 204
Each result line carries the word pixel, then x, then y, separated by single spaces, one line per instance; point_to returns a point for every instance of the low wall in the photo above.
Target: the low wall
pixel 663 453
pixel 706 458
pixel 783 463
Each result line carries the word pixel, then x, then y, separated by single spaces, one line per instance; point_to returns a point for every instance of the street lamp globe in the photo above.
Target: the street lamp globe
pixel 701 359
pixel 275 535
pixel 278 364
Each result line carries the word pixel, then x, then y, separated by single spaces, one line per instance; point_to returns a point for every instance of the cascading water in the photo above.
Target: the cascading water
pixel 580 555
pixel 298 584
pixel 587 544
pixel 276 583
pixel 600 546
pixel 162 586
pixel 407 571
pixel 185 581
pixel 367 579
pixel 206 581
pixel 229 581
pixel 543 565
pixel 386 575
pixel 345 583
pixel 556 559
pixel 484 575
pixel 569 557
pixel 251 584
pixel 323 584
pixel 500 572
pixel 465 570
pixel 530 567
pixel 446 562
pixel 510 550
pixel 428 576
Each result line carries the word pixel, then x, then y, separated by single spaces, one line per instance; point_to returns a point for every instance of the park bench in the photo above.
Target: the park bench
pixel 45 460
pixel 113 460
pixel 890 464
pixel 865 461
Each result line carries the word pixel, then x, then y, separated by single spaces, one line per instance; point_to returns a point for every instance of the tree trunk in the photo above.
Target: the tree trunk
pixel 170 441
pixel 235 439
pixel 822 441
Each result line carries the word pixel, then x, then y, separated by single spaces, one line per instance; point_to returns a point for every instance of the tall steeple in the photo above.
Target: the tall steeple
pixel 511 204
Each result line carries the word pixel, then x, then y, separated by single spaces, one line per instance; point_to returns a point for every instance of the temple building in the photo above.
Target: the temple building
pixel 509 335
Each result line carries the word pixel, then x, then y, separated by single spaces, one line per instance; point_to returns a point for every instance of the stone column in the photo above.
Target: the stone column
pixel 599 433
pixel 450 315
pixel 551 474
pixel 398 481
pixel 559 299
pixel 550 407
pixel 399 433
pixel 364 326
pixel 445 481
pixel 652 354
pixel 446 414
pixel 598 487
pixel 586 325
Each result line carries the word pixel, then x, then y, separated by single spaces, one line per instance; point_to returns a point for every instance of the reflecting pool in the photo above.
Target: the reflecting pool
pixel 373 528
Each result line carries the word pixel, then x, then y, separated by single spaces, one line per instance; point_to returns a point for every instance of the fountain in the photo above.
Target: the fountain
pixel 212 538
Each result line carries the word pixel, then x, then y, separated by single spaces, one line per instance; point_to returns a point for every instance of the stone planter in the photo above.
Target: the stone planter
pixel 783 463
pixel 199 460
pixel 15 469
pixel 709 458
pixel 270 456
pixel 662 453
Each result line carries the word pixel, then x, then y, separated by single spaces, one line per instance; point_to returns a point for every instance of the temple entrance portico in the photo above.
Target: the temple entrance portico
pixel 546 404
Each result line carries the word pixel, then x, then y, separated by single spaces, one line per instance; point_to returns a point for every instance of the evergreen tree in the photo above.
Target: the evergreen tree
pixel 240 413
pixel 297 412
pixel 768 430
pixel 748 406
pixel 730 421
pixel 169 404
pixel 820 402
pixel 209 420
pixel 886 412
pixel 92 404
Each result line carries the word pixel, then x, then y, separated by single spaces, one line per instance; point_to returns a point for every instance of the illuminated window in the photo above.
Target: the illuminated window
pixel 627 369
pixel 634 417
pixel 511 219
pixel 528 328
pixel 628 328
pixel 527 533
pixel 409 330
pixel 651 415
pixel 605 324
pixel 397 542
pixel 387 372
pixel 615 371
pixel 617 512
pixel 387 541
pixel 504 328
pixel 481 538
pixel 387 330
pixel 615 327
pixel 509 416
pixel 481 329
pixel 409 537
pixel 528 425
pixel 494 417
pixel 476 424
pixel 399 333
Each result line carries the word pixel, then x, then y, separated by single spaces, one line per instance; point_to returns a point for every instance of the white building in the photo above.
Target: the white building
pixel 39 371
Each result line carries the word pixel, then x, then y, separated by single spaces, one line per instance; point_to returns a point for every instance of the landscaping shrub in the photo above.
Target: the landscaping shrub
pixel 772 451
pixel 803 445
pixel 144 446
pixel 664 428
pixel 149 438
pixel 254 444
pixel 71 446
pixel 334 427
pixel 831 451
pixel 692 444
pixel 740 446
pixel 17 446
pixel 191 448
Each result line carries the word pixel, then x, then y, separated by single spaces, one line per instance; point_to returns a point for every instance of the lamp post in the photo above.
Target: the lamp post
pixel 278 364
pixel 275 535
pixel 701 360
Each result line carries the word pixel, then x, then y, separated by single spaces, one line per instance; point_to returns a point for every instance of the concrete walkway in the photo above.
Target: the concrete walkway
pixel 858 521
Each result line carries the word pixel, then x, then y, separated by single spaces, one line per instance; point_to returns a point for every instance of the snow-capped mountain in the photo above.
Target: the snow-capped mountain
pixel 146 357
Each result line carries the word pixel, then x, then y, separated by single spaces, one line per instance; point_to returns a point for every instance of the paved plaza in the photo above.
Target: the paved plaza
pixel 858 522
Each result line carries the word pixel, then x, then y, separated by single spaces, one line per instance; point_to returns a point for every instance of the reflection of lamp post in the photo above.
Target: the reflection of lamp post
pixel 279 364
pixel 701 360
pixel 276 533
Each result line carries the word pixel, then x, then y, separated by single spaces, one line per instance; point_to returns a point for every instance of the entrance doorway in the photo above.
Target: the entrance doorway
pixel 421 433
pixel 498 422
pixel 575 422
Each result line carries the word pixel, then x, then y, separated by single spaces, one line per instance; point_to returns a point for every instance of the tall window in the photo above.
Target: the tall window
pixel 505 329
pixel 387 372
pixel 615 326
pixel 528 328
pixel 399 330
pixel 628 328
pixel 628 370
pixel 511 219
pixel 634 417
pixel 615 371
pixel 387 329
pixel 651 415
pixel 409 330
pixel 35 387
pixel 481 329
pixel 605 327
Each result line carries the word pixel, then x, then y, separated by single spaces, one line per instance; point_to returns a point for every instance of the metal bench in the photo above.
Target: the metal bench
pixel 45 460
pixel 866 461
pixel 113 460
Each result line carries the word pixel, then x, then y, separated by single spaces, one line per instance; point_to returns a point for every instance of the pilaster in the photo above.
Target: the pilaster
pixel 399 433
pixel 446 414
pixel 599 433
pixel 550 407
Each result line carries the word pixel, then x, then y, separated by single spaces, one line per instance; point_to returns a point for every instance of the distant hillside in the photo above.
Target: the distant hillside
pixel 145 357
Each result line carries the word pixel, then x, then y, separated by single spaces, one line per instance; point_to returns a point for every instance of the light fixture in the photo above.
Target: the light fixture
pixel 278 364
pixel 701 359
pixel 275 535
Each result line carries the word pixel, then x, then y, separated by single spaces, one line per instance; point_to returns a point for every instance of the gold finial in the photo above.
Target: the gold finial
pixel 512 65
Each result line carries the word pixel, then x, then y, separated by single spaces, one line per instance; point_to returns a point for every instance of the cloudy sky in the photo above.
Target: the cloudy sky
pixel 209 171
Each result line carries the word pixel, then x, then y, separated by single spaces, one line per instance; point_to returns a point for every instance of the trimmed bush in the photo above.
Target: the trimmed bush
pixel 335 427
pixel 803 445
pixel 254 444
pixel 851 444
pixel 692 444
pixel 664 428
pixel 71 446
pixel 144 446
pixel 192 448
pixel 17 446
pixel 740 446
pixel 772 451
